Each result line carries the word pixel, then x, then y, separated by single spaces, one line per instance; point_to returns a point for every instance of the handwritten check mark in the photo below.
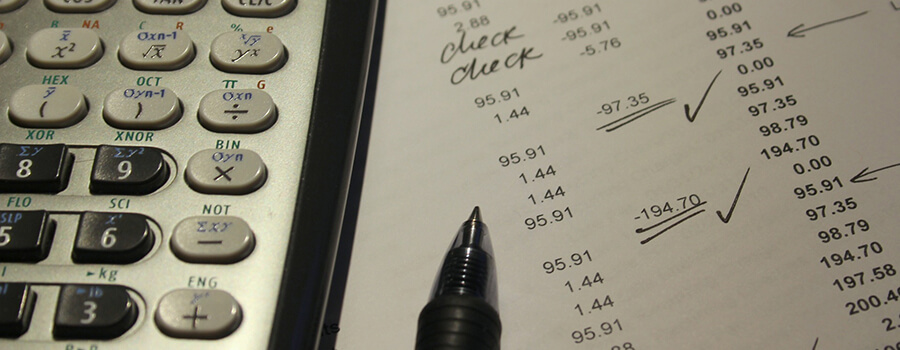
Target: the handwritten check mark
pixel 727 217
pixel 687 108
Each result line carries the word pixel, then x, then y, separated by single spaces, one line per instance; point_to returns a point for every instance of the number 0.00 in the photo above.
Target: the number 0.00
pixel 756 65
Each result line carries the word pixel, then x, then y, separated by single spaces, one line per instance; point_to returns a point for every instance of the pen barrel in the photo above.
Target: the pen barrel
pixel 467 271
pixel 458 322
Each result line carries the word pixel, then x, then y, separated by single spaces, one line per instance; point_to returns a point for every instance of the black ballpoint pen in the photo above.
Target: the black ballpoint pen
pixel 462 313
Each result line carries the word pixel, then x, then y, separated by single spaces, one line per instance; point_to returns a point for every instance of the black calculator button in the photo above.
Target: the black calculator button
pixel 25 236
pixel 93 312
pixel 34 168
pixel 114 238
pixel 16 307
pixel 128 170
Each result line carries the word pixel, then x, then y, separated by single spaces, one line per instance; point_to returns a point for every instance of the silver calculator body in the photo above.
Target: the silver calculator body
pixel 173 172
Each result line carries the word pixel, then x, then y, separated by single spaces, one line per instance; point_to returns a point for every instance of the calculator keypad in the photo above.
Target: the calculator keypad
pixel 150 158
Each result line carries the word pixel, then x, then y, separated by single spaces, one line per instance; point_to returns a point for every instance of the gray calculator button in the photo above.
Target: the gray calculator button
pixel 169 7
pixel 9 5
pixel 5 46
pixel 259 8
pixel 64 48
pixel 212 239
pixel 141 108
pixel 237 111
pixel 247 52
pixel 43 106
pixel 198 313
pixel 217 171
pixel 156 50
pixel 78 6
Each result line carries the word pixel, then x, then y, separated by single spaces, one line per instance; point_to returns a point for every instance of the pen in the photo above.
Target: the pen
pixel 462 312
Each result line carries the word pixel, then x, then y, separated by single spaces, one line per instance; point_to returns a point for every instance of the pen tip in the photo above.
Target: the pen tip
pixel 476 214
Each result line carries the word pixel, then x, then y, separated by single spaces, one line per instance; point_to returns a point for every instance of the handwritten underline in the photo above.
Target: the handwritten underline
pixel 645 229
pixel 636 115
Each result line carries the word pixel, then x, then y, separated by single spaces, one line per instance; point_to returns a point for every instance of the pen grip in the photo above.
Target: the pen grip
pixel 458 322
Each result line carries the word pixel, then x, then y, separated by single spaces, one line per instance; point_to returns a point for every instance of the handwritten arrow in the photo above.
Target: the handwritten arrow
pixel 687 108
pixel 859 178
pixel 797 32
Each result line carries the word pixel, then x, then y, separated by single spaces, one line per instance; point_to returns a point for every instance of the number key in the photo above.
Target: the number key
pixel 16 308
pixel 116 238
pixel 128 170
pixel 93 312
pixel 25 236
pixel 34 168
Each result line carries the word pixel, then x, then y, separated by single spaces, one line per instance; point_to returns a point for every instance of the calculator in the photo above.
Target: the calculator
pixel 173 173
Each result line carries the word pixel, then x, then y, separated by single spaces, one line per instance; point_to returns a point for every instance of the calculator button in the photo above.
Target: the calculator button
pixel 237 171
pixel 42 106
pixel 259 8
pixel 247 52
pixel 34 169
pixel 237 111
pixel 5 46
pixel 169 7
pixel 141 108
pixel 198 313
pixel 9 5
pixel 64 48
pixel 113 238
pixel 93 312
pixel 128 170
pixel 212 239
pixel 16 307
pixel 146 50
pixel 25 236
pixel 78 6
